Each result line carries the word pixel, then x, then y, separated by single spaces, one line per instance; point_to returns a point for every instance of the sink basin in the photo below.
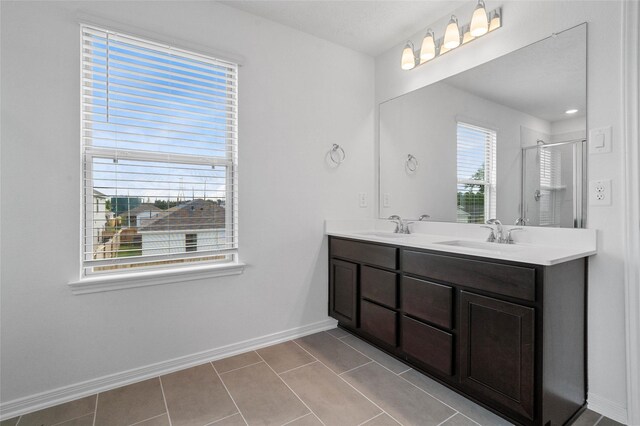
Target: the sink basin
pixel 479 245
pixel 381 234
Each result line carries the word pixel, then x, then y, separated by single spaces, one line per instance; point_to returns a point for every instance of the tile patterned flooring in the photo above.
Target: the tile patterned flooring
pixel 327 378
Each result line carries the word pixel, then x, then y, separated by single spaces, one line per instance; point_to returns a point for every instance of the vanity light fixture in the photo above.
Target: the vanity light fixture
pixel 571 111
pixel 482 22
pixel 452 34
pixel 408 57
pixel 496 20
pixel 479 20
pixel 466 35
pixel 428 49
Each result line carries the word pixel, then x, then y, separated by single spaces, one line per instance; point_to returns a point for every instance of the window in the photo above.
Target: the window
pixel 191 242
pixel 476 159
pixel 549 195
pixel 159 146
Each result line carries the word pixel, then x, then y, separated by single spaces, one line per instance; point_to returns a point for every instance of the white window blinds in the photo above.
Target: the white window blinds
pixel 159 147
pixel 550 184
pixel 476 160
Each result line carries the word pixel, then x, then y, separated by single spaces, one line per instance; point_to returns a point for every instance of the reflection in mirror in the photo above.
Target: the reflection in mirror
pixel 498 140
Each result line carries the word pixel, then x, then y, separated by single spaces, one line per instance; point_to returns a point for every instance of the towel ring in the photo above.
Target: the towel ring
pixel 336 154
pixel 412 163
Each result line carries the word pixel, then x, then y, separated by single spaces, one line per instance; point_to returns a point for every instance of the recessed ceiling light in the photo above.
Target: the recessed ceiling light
pixel 571 111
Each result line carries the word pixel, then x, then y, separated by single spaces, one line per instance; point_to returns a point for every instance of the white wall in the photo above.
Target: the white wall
pixel 524 23
pixel 298 96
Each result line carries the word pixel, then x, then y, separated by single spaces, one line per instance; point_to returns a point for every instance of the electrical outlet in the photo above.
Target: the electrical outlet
pixel 386 200
pixel 362 199
pixel 600 192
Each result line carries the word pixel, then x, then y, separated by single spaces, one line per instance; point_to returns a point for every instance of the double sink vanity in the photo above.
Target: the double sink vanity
pixel 502 324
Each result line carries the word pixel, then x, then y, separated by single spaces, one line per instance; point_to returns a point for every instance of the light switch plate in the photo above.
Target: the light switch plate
pixel 600 192
pixel 600 140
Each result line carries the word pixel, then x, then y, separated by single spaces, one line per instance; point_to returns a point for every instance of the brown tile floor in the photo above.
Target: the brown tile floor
pixel 328 378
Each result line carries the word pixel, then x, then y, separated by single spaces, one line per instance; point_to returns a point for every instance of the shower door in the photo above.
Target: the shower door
pixel 553 184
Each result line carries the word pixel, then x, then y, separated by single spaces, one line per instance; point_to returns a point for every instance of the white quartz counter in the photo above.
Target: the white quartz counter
pixel 534 245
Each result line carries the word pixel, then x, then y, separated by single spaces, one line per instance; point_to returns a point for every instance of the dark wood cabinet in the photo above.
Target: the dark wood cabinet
pixel 379 286
pixel 508 335
pixel 428 346
pixel 428 301
pixel 497 344
pixel 343 292
pixel 379 322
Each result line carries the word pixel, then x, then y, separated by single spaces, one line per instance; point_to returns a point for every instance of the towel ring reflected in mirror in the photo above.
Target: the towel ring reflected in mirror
pixel 412 163
pixel 337 154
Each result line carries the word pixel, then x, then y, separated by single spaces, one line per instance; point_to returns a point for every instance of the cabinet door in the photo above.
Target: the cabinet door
pixel 497 352
pixel 343 292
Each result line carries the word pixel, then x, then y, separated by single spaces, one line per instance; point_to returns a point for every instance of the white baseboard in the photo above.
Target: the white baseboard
pixel 607 408
pixel 53 397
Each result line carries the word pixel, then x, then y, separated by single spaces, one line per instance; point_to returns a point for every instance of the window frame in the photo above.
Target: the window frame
pixel 95 282
pixel 490 171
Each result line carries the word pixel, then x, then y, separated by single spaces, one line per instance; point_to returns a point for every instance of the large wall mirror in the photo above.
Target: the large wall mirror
pixel 504 140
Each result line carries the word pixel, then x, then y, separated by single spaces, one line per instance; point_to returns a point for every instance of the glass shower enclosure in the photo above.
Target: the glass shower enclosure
pixel 553 184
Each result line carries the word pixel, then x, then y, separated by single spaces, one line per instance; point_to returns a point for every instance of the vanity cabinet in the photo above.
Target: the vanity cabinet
pixel 508 335
pixel 343 292
pixel 497 343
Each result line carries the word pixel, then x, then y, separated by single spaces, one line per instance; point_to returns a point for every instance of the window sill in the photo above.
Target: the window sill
pixel 97 284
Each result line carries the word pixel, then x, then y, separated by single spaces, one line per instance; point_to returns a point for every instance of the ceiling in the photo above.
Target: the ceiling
pixel 370 27
pixel 544 79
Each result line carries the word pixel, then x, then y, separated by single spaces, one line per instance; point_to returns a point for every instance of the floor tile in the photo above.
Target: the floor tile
pixel 382 420
pixel 455 400
pixel 162 420
pixel 338 333
pixel 238 361
pixel 196 396
pixel 328 396
pixel 10 422
pixel 308 420
pixel 606 421
pixel 263 399
pixel 235 420
pixel 285 356
pixel 403 401
pixel 130 404
pixel 60 413
pixel 587 418
pixel 332 352
pixel 459 420
pixel 80 421
pixel 376 354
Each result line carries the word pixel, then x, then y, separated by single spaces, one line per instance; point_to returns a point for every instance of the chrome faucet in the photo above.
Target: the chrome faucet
pixel 423 217
pixel 499 236
pixel 492 236
pixel 402 226
pixel 399 224
pixel 509 240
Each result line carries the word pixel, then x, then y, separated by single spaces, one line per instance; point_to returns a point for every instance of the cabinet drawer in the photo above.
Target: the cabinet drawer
pixel 379 322
pixel 371 254
pixel 379 286
pixel 428 301
pixel 508 280
pixel 428 345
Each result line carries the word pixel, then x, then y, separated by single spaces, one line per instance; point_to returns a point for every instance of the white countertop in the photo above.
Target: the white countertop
pixel 542 247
